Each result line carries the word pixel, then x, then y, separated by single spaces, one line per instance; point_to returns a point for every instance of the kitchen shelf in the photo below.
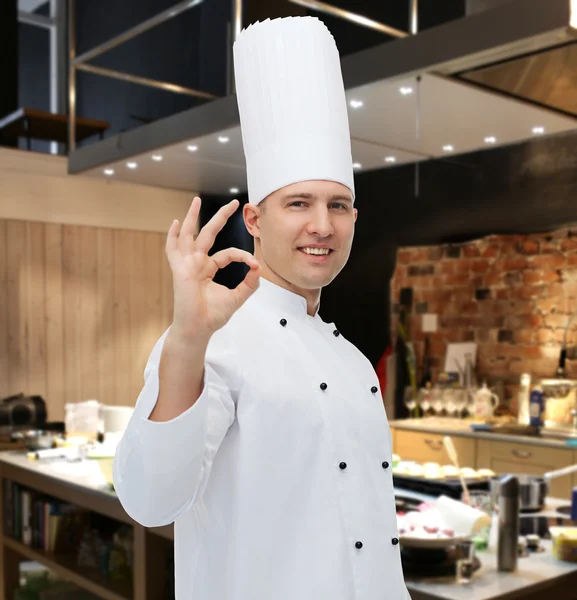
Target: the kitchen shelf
pixel 64 566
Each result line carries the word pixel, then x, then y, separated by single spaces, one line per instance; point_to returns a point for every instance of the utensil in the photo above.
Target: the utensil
pixel 452 453
pixel 533 489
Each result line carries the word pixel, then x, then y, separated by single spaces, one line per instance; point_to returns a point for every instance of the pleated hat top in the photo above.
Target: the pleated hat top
pixel 292 105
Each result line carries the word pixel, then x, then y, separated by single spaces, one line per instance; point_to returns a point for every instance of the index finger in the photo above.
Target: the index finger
pixel 208 233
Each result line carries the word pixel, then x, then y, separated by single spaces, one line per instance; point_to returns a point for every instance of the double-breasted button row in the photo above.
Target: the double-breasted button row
pixel 324 386
pixel 359 545
pixel 343 465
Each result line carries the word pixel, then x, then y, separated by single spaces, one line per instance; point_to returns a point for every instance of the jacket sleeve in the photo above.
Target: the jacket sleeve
pixel 160 468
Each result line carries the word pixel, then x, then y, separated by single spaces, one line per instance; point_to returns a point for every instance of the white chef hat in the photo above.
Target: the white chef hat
pixel 292 105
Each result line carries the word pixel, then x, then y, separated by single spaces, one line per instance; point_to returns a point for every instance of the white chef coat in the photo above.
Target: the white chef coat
pixel 279 477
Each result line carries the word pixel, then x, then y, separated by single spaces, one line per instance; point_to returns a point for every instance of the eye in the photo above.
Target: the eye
pixel 295 203
pixel 340 204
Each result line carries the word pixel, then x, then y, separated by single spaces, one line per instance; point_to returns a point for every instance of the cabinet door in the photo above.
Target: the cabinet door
pixel 428 447
pixel 529 459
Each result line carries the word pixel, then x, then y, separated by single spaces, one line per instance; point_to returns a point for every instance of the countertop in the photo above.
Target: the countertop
pixel 85 474
pixel 537 576
pixel 535 573
pixel 462 427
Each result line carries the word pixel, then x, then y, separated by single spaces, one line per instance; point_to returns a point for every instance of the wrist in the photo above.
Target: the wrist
pixel 179 338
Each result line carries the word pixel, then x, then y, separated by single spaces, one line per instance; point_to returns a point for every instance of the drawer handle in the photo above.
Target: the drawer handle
pixel 434 444
pixel 522 453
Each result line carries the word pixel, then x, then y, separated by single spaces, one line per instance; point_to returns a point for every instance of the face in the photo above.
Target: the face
pixel 304 233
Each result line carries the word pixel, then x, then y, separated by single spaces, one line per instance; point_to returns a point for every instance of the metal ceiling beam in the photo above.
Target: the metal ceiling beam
pixel 36 20
pixel 355 18
pixel 155 83
pixel 131 33
pixel 507 30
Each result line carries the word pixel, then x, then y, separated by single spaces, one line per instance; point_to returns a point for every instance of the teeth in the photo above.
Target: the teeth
pixel 315 250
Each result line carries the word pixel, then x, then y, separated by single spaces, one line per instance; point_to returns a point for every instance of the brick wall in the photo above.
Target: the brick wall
pixel 513 295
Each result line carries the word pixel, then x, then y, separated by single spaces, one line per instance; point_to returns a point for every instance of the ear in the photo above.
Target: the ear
pixel 251 215
pixel 355 213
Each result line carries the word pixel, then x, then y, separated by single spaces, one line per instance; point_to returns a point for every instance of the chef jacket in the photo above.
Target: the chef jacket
pixel 278 479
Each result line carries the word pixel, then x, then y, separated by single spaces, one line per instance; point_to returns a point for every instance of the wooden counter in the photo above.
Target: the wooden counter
pixel 80 484
pixel 421 440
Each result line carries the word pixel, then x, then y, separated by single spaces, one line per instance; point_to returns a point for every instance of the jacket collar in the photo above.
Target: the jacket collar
pixel 283 300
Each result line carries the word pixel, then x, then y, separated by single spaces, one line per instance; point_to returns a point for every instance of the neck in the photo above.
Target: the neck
pixel 312 297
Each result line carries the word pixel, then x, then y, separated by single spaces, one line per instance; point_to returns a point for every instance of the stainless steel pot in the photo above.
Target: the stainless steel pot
pixel 533 489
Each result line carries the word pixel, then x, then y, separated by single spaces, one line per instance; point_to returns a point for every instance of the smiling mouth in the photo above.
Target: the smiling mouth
pixel 316 251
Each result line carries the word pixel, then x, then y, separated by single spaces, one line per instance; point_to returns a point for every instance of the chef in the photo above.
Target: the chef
pixel 260 430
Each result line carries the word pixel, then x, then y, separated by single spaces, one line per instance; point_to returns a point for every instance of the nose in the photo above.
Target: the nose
pixel 320 223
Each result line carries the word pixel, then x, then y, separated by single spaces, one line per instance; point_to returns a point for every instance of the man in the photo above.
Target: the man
pixel 260 431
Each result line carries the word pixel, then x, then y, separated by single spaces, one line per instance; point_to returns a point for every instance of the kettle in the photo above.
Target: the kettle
pixel 484 402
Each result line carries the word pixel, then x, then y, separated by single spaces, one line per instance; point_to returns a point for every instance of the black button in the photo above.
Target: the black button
pixel 343 465
pixel 385 465
pixel 374 389
pixel 395 541
pixel 359 545
pixel 336 333
pixel 323 386
pixel 283 322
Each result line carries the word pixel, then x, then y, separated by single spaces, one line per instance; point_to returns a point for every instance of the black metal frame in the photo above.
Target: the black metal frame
pixel 512 29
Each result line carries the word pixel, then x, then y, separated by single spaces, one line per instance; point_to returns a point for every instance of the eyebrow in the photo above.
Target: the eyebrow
pixel 309 196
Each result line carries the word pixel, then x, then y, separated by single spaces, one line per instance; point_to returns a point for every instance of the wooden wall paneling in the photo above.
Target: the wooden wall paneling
pixel 4 388
pixel 124 394
pixel 106 358
pixel 72 311
pixel 88 317
pixel 167 292
pixel 81 310
pixel 151 327
pixel 35 302
pixel 54 314
pixel 17 352
pixel 138 303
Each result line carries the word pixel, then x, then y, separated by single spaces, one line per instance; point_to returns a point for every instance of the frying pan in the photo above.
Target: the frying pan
pixel 533 489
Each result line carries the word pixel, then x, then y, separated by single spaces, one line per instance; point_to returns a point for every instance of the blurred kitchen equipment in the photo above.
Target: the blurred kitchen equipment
pixel 560 402
pixel 82 419
pixel 115 418
pixel 452 453
pixel 533 489
pixel 22 412
pixel 465 562
pixel 484 402
pixel 564 543
pixel 508 536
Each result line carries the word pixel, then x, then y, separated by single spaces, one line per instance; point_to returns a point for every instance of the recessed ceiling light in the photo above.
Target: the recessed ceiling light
pixel 490 139
pixel 356 103
pixel 233 190
pixel 390 159
pixel 132 165
pixel 223 139
pixel 406 90
pixel 109 171
pixel 157 157
pixel 357 166
pixel 538 130
pixel 192 148
pixel 448 148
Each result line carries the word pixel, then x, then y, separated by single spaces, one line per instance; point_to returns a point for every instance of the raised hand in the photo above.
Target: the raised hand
pixel 202 306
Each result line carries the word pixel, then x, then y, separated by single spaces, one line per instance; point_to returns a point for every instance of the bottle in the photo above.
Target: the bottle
pixel 427 376
pixel 523 399
pixel 509 501
pixel 536 407
pixel 469 378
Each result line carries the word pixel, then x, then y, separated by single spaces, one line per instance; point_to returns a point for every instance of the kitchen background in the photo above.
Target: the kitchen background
pixel 513 295
pixel 98 311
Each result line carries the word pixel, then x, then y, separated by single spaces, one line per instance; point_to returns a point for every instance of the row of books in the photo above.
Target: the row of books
pixel 41 522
